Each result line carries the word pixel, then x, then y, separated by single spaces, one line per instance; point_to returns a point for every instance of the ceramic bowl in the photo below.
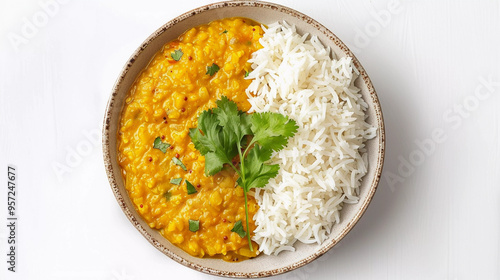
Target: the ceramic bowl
pixel 265 13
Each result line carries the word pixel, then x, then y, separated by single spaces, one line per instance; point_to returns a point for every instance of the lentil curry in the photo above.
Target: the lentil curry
pixel 163 172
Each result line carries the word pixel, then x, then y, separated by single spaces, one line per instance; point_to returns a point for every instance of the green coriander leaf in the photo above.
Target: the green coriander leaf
pixel 226 111
pixel 266 173
pixel 231 119
pixel 211 70
pixel 247 73
pixel 263 154
pixel 218 133
pixel 246 124
pixel 177 54
pixel 167 195
pixel 190 188
pixel 205 137
pixel 160 145
pixel 179 163
pixel 194 225
pixel 257 174
pixel 214 162
pixel 223 32
pixel 176 181
pixel 217 146
pixel 238 228
pixel 272 130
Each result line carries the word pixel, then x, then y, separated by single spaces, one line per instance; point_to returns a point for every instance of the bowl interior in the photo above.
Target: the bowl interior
pixel 265 13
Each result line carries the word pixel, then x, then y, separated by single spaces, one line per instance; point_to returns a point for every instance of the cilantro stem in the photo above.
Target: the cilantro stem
pixel 245 194
pixel 246 213
pixel 242 175
pixel 248 147
pixel 242 166
pixel 270 131
pixel 235 169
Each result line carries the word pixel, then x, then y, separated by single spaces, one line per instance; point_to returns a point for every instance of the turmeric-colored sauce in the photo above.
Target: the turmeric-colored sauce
pixel 165 101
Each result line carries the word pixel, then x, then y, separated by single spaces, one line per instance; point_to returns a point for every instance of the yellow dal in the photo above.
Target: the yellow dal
pixel 165 101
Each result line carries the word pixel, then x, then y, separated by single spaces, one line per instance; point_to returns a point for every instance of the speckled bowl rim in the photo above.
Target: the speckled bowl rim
pixel 107 134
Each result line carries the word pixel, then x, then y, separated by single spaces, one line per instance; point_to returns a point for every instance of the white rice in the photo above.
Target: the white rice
pixel 322 165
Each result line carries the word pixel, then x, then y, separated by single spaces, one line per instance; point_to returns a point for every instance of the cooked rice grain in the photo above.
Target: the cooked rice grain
pixel 322 165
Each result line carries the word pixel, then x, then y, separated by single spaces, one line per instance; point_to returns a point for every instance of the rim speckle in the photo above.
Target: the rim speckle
pixel 108 132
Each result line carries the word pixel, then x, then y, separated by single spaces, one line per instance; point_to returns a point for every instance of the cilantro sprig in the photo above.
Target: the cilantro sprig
pixel 190 188
pixel 238 228
pixel 177 54
pixel 176 181
pixel 178 162
pixel 158 144
pixel 224 133
pixel 212 69
pixel 194 225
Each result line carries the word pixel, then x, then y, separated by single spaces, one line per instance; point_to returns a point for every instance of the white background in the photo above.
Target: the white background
pixel 436 215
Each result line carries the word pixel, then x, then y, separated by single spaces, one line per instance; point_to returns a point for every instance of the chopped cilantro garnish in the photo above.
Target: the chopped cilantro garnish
pixel 167 195
pixel 177 54
pixel 160 145
pixel 190 188
pixel 220 137
pixel 211 70
pixel 176 181
pixel 179 163
pixel 194 225
pixel 223 32
pixel 238 228
pixel 247 73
